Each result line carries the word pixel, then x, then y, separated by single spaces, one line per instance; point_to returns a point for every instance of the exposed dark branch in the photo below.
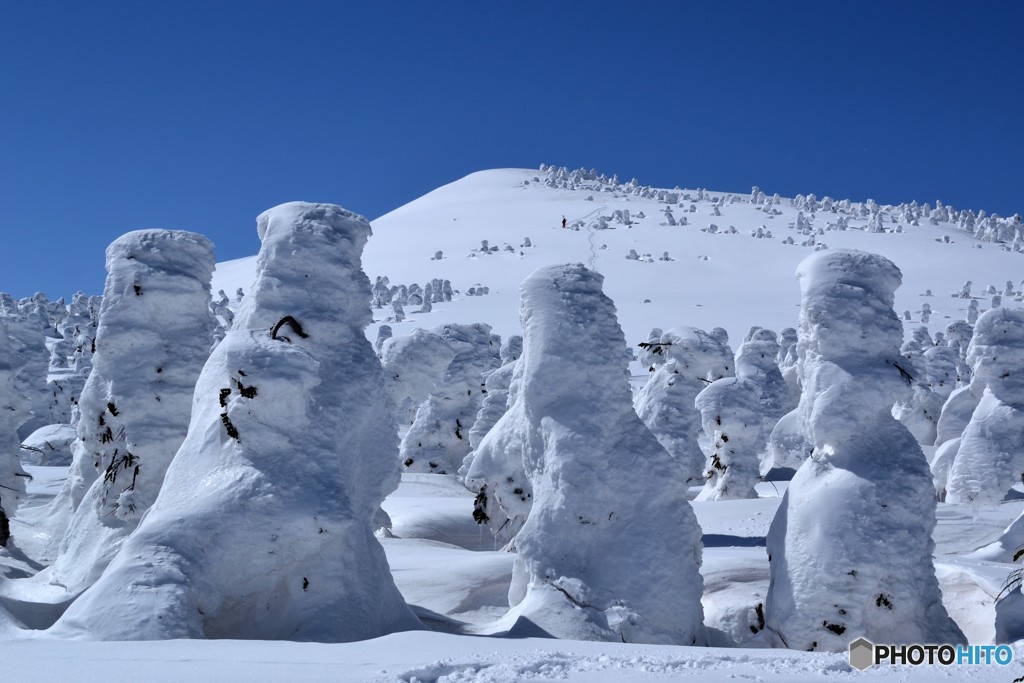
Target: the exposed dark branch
pixel 290 322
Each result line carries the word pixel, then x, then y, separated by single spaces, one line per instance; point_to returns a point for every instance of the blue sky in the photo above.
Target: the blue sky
pixel 199 115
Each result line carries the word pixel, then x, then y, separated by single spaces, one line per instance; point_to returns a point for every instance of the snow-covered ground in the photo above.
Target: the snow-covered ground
pixel 451 570
pixel 445 565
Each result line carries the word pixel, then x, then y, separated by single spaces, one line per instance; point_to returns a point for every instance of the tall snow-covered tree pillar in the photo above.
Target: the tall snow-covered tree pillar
pixel 154 336
pixel 850 548
pixel 12 476
pixel 611 548
pixel 263 527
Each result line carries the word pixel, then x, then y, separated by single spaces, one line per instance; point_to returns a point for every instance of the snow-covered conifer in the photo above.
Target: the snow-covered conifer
pixel 494 404
pixel 958 337
pixel 153 338
pixel 31 366
pixel 787 360
pixel 867 482
pixel 919 411
pixel 438 439
pixel 12 476
pixel 599 479
pixel 687 360
pixel 990 460
pixel 413 364
pixel 263 527
pixel 511 349
pixel 651 352
pixel 383 334
pixel 755 361
pixel 732 419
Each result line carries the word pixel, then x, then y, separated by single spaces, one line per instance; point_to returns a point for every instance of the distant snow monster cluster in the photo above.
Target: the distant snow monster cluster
pixel 229 458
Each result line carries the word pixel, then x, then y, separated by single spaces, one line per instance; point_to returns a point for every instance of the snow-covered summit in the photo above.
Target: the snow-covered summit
pixel 711 275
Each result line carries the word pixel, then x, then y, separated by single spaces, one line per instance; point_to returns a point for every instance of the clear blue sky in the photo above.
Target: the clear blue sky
pixel 118 115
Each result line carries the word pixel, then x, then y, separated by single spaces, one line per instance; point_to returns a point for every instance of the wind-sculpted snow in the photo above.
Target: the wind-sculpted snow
pixel 263 526
pixel 611 548
pixel 850 548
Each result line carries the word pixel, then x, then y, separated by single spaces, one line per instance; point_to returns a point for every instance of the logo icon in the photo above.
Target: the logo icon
pixel 862 654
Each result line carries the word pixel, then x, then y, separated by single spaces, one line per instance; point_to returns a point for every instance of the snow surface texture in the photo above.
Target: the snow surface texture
pixel 263 526
pixel 153 338
pixel 850 548
pixel 990 459
pixel 611 549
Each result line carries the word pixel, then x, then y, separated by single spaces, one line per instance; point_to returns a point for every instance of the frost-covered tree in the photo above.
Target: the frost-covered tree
pixel 153 338
pixel 438 440
pixel 31 365
pixel 263 528
pixel 972 312
pixel 990 459
pixel 732 419
pixel 919 411
pixel 383 334
pixel 686 360
pixel 756 362
pixel 510 349
pixel 12 476
pixel 496 389
pixel 787 360
pixel 850 549
pixel 496 385
pixel 495 471
pixel 413 364
pixel 651 353
pixel 599 479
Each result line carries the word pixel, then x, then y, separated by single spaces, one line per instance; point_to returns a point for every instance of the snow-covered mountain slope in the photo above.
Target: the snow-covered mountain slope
pixel 715 279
